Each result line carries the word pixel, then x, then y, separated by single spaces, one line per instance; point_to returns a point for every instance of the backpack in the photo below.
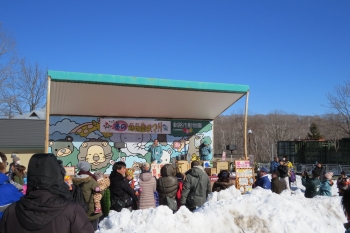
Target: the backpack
pixel 292 177
pixel 78 197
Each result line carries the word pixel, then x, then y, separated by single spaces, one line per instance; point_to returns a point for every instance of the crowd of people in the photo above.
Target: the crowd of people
pixel 51 205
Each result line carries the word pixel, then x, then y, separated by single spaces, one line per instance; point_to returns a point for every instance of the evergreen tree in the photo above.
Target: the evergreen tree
pixel 314 132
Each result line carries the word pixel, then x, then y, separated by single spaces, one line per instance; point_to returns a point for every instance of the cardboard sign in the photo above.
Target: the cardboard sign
pixel 245 176
pixel 155 169
pixel 70 171
pixel 242 164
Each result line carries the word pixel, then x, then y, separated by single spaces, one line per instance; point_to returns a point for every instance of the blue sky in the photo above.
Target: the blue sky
pixel 290 53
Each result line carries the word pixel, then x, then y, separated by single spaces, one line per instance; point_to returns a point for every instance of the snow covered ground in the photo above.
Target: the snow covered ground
pixel 229 211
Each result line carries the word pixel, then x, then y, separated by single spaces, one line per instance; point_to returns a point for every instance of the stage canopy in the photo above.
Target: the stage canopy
pixel 81 94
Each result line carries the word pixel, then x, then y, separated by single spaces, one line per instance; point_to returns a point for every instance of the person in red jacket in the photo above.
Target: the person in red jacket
pixel 47 206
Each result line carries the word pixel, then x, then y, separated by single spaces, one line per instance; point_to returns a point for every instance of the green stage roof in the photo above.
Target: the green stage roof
pixel 81 94
pixel 145 82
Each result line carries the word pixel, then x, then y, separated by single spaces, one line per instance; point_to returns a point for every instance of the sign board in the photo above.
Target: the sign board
pixel 70 171
pixel 134 126
pixel 155 169
pixel 182 128
pixel 244 176
pixel 242 163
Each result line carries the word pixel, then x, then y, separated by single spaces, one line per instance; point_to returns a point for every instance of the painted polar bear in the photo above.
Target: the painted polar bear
pixel 135 143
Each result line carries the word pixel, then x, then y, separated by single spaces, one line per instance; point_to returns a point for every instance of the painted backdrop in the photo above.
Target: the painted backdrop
pixel 74 139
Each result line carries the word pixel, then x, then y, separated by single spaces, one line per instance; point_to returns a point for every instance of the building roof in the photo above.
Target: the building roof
pixel 33 115
pixel 22 135
pixel 82 94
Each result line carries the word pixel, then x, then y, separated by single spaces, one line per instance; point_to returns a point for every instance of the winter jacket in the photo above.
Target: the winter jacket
pixel 106 202
pixel 88 188
pixel 274 166
pixel 326 188
pixel 283 170
pixel 277 186
pixel 8 193
pixel 221 185
pixel 120 188
pixel 342 184
pixel 42 212
pixel 196 188
pixel 156 153
pixel 321 171
pixel 205 152
pixel 312 186
pixel 169 181
pixel 148 186
pixel 263 182
pixel 87 173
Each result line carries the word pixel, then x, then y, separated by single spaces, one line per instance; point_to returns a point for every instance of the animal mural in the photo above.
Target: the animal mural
pixel 75 139
pixel 97 152
pixel 64 150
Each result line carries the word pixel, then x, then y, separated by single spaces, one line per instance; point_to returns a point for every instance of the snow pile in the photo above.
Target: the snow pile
pixel 229 211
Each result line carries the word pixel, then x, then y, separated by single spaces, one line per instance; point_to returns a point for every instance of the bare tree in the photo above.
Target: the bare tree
pixel 339 104
pixel 25 91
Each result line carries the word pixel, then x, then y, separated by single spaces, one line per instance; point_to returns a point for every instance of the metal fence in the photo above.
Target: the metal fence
pixel 299 168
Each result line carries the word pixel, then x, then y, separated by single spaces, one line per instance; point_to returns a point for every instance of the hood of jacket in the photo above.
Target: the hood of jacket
pixel 146 176
pixel 196 171
pixel 39 208
pixel 79 179
pixel 167 170
pixel 3 178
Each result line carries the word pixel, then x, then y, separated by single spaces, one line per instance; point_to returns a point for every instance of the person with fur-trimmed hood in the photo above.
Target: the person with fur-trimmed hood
pixel 223 182
pixel 196 187
pixel 47 206
pixel 167 183
pixel 89 186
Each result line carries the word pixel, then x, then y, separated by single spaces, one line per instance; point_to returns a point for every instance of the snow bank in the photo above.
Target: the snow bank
pixel 229 211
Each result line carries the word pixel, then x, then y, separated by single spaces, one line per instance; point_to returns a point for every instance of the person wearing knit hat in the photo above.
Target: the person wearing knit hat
pixel 326 185
pixel 84 168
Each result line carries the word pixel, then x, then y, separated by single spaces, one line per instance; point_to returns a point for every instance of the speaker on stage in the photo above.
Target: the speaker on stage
pixel 119 145
pixel 231 147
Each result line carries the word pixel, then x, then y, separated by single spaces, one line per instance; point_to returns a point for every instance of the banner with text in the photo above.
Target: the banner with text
pixel 135 126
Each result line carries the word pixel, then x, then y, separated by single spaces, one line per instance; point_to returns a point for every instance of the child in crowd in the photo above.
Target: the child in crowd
pixel 19 174
pixel 326 185
pixel 133 181
pixel 103 183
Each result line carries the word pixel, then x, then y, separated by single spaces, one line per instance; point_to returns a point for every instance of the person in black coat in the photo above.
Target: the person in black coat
pixel 47 206
pixel 321 170
pixel 122 195
pixel 283 170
